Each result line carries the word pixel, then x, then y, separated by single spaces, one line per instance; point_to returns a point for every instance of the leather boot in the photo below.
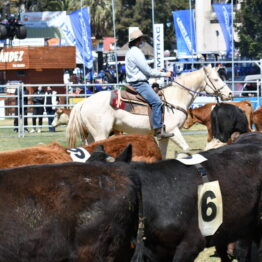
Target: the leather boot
pixel 161 133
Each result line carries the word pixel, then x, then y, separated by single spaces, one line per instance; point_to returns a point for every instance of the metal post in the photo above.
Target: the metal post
pixel 153 22
pixel 190 12
pixel 232 44
pixel 83 42
pixel 114 29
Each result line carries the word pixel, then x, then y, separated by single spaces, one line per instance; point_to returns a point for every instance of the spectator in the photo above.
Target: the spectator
pixel 23 92
pixel 38 109
pixel 51 100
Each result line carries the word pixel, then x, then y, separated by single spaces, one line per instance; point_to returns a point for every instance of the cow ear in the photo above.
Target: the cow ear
pixel 99 148
pixel 126 155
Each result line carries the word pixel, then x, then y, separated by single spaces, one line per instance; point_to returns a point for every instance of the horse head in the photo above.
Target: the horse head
pixel 215 85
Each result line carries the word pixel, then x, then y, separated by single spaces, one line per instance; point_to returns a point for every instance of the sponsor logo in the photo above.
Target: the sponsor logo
pixel 12 56
pixel 159 52
pixel 227 21
pixel 184 34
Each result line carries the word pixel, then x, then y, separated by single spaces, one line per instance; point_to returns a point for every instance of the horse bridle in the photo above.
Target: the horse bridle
pixel 215 94
pixel 216 91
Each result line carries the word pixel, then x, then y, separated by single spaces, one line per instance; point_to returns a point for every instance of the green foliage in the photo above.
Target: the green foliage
pixel 249 27
pixel 139 13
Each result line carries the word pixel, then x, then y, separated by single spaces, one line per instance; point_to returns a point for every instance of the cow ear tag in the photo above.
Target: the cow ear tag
pixel 210 205
pixel 210 208
pixel 78 154
pixel 192 159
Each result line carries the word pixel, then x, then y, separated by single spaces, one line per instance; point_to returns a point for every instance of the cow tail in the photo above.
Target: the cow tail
pixel 141 253
pixel 139 250
pixel 75 128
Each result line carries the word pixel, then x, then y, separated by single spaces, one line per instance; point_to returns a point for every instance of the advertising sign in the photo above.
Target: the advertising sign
pixel 159 46
pixel 224 15
pixel 77 32
pixel 42 19
pixel 185 32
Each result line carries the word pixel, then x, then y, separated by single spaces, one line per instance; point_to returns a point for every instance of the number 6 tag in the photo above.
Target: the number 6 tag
pixel 210 208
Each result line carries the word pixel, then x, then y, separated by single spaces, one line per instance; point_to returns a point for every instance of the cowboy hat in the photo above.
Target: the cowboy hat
pixel 135 35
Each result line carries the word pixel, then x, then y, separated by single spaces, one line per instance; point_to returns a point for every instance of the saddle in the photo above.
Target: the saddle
pixel 129 100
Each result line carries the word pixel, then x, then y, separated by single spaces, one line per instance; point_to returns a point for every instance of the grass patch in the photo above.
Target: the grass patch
pixel 9 139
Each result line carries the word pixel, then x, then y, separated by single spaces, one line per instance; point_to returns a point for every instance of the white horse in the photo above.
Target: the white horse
pixel 94 118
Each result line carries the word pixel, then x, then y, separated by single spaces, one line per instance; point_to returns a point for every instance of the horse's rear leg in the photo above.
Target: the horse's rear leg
pixel 179 140
pixel 163 147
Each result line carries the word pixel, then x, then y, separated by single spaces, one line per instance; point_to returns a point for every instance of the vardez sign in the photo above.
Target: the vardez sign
pixel 11 56
pixel 159 46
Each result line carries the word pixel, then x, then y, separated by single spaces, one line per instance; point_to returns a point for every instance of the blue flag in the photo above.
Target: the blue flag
pixel 224 15
pixel 80 22
pixel 185 32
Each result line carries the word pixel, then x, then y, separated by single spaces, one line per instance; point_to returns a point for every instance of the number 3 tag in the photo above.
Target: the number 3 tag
pixel 210 208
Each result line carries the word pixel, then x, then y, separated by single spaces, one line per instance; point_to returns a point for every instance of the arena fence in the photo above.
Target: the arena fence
pixel 10 102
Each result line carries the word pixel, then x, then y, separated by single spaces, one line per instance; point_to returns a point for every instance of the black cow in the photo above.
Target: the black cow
pixel 227 119
pixel 89 212
pixel 252 137
pixel 169 194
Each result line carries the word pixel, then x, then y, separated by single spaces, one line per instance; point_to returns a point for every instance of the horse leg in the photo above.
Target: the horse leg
pixel 179 140
pixel 163 147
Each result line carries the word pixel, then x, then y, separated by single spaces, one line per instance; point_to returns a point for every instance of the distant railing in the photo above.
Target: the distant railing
pixel 73 93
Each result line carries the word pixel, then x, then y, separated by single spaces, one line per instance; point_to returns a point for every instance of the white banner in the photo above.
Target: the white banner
pixel 29 42
pixel 42 19
pixel 159 46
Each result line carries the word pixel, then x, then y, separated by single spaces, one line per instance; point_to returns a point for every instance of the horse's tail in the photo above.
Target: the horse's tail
pixel 76 128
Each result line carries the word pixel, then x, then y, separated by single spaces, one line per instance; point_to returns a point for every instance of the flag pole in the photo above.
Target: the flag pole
pixel 114 29
pixel 83 42
pixel 153 23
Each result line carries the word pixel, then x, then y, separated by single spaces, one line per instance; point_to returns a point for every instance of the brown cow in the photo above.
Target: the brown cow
pixel 145 149
pixel 257 119
pixel 202 115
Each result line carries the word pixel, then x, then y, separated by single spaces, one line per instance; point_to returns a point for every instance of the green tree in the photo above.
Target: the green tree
pixel 101 17
pixel 249 28
pixel 139 13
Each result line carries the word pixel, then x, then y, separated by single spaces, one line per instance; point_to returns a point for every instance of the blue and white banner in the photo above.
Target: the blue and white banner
pixel 80 21
pixel 224 15
pixel 185 32
pixel 75 27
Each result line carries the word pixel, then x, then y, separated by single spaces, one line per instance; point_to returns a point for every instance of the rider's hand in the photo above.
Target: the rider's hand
pixel 168 74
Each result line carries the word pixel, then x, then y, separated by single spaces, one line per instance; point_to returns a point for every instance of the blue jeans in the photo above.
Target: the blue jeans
pixel 147 92
pixel 50 111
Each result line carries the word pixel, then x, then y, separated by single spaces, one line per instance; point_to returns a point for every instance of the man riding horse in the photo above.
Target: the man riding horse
pixel 137 75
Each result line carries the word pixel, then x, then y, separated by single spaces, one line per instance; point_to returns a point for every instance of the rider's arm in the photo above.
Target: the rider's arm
pixel 143 66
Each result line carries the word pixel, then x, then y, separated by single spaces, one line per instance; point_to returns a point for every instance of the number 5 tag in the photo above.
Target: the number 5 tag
pixel 210 208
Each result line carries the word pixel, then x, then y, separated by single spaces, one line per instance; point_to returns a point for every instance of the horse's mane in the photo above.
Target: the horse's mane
pixel 182 77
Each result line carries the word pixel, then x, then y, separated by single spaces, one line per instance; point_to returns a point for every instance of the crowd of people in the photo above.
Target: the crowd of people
pixel 42 102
